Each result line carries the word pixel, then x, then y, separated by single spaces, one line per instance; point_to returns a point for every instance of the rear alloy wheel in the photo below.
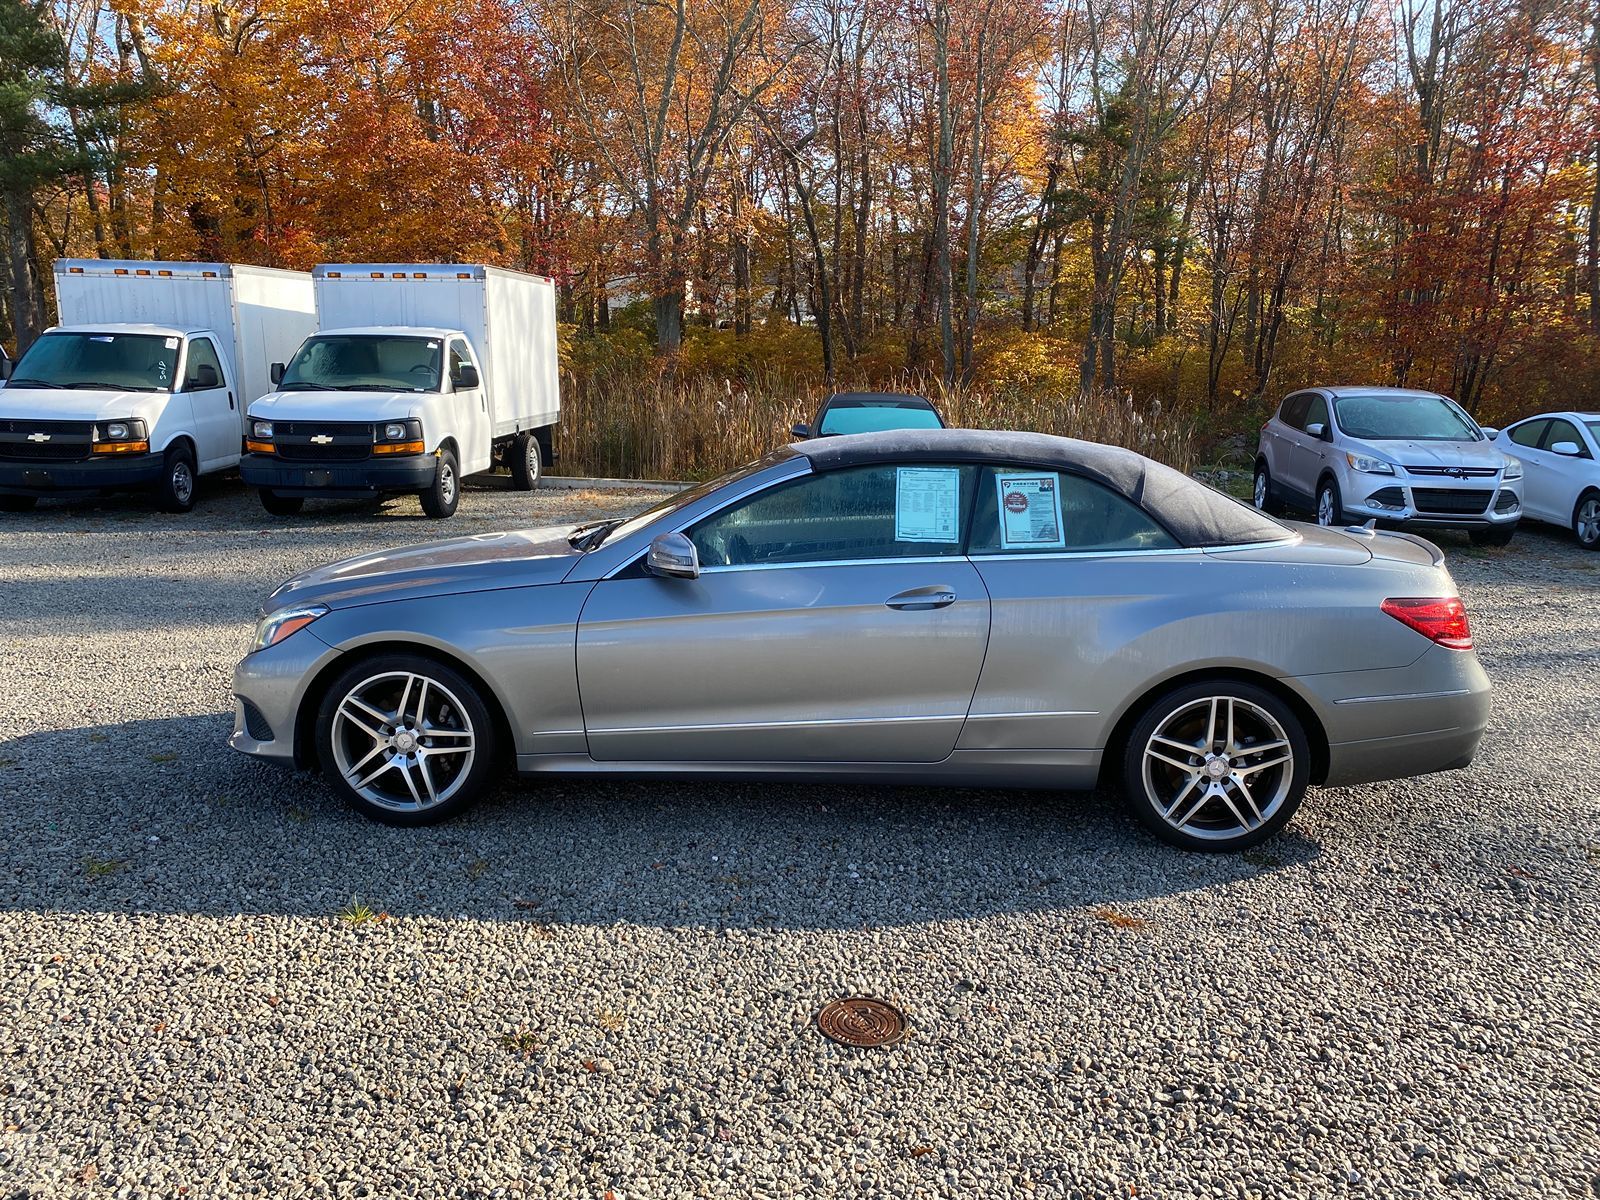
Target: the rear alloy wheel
pixel 1586 521
pixel 14 503
pixel 1329 506
pixel 405 740
pixel 525 457
pixel 175 492
pixel 1499 535
pixel 281 506
pixel 1262 495
pixel 441 499
pixel 1216 766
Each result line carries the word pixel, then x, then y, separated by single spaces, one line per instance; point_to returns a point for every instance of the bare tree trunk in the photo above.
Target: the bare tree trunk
pixel 941 187
pixel 27 290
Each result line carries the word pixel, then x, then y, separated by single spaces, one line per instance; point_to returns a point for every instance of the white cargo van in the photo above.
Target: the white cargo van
pixel 146 381
pixel 419 374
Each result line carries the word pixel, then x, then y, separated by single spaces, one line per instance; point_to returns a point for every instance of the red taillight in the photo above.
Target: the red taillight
pixel 1441 620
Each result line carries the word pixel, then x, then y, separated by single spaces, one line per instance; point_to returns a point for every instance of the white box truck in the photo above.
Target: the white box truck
pixel 146 381
pixel 418 374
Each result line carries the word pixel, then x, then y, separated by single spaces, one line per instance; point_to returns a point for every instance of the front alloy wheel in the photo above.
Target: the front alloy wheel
pixel 406 740
pixel 1328 503
pixel 1216 766
pixel 1586 522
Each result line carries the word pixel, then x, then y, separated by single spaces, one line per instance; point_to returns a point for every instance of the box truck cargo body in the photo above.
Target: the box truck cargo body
pixel 418 374
pixel 146 381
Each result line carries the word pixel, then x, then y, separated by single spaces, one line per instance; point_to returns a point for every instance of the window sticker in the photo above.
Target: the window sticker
pixel 1030 512
pixel 172 343
pixel 927 504
pixel 104 338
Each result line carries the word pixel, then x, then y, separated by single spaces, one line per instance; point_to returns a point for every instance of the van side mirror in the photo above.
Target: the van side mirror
pixel 205 378
pixel 1568 449
pixel 466 379
pixel 673 556
pixel 276 372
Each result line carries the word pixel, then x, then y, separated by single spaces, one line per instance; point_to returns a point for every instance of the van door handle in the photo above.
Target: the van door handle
pixel 920 599
pixel 230 399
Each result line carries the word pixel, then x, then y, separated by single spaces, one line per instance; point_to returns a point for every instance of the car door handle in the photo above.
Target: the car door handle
pixel 920 599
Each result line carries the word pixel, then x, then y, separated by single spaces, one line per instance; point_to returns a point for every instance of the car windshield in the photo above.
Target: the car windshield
pixel 365 362
pixel 1594 429
pixel 1404 418
pixel 604 531
pixel 124 362
pixel 877 417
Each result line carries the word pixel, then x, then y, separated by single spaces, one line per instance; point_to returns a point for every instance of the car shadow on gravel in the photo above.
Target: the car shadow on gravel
pixel 158 816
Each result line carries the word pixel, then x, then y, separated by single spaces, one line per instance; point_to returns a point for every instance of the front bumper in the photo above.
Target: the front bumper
pixel 1402 721
pixel 269 687
pixel 1427 503
pixel 410 473
pixel 110 474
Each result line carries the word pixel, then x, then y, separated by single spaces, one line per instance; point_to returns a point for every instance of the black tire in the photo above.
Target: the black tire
pixel 525 457
pixel 1493 536
pixel 175 491
pixel 379 676
pixel 1262 495
pixel 1329 487
pixel 11 502
pixel 1586 520
pixel 440 500
pixel 281 506
pixel 1211 826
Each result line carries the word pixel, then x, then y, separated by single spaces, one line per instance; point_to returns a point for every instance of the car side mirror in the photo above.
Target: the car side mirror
pixel 1490 431
pixel 466 379
pixel 276 372
pixel 673 556
pixel 205 378
pixel 800 430
pixel 5 367
pixel 1568 449
pixel 1317 430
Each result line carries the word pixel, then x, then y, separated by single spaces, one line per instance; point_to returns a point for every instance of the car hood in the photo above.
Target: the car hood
pixel 336 406
pixel 481 562
pixel 51 404
pixel 1435 454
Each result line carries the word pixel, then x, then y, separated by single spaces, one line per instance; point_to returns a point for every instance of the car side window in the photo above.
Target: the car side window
pixel 882 511
pixel 196 376
pixel 1529 432
pixel 1023 510
pixel 1293 413
pixel 1317 412
pixel 1562 430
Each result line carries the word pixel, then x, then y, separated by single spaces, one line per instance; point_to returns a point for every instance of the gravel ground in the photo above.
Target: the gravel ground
pixel 214 981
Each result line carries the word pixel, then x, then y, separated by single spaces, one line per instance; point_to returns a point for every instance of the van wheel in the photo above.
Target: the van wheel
pixel 175 492
pixel 281 506
pixel 441 499
pixel 11 503
pixel 526 460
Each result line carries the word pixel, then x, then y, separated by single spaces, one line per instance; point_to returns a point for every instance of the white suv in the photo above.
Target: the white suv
pixel 1352 454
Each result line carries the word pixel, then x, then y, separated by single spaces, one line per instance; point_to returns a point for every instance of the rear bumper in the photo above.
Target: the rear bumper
pixel 411 473
pixel 91 475
pixel 1392 724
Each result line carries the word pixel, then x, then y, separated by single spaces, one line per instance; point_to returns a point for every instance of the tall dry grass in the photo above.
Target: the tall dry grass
pixel 642 421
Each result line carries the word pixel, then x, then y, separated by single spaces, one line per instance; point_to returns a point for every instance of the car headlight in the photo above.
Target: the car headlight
pixel 261 429
pixel 119 437
pixel 1513 468
pixel 1370 466
pixel 276 626
pixel 394 431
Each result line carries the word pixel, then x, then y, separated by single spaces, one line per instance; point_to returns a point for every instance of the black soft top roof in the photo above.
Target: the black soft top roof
pixel 1195 514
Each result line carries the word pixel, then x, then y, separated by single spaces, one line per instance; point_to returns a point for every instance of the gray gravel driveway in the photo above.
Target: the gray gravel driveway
pixel 215 981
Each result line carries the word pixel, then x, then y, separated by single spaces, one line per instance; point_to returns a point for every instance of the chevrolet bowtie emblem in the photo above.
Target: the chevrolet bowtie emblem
pixel 38 437
pixel 322 439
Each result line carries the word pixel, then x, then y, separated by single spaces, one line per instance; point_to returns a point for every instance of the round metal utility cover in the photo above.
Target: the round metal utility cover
pixel 863 1021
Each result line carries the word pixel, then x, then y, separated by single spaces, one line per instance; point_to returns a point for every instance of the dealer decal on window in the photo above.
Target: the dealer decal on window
pixel 927 504
pixel 1030 512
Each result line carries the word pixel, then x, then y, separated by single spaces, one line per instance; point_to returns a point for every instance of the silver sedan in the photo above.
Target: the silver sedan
pixel 939 606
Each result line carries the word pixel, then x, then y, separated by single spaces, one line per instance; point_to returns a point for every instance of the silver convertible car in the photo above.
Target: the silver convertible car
pixel 930 606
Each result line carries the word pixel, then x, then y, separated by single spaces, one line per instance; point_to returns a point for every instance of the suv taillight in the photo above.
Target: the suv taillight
pixel 1439 619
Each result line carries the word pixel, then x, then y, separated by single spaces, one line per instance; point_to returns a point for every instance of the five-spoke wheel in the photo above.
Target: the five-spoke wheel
pixel 1216 766
pixel 405 739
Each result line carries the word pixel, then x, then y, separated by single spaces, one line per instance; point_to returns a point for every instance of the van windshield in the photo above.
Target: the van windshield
pixel 1404 418
pixel 361 362
pixel 121 362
